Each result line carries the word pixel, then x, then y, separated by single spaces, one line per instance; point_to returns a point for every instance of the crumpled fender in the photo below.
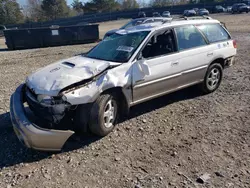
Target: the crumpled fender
pixel 119 76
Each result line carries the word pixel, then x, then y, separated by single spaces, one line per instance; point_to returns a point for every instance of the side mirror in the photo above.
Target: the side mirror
pixel 143 67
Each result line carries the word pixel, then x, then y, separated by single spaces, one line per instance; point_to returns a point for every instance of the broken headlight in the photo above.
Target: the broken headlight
pixel 44 99
pixel 48 100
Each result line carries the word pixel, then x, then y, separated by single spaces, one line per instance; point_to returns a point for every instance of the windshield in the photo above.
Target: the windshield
pixel 118 47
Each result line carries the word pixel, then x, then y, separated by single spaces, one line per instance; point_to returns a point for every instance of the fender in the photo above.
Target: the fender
pixel 118 77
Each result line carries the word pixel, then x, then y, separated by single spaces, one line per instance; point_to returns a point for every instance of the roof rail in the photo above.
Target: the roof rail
pixel 188 18
pixel 198 18
pixel 179 18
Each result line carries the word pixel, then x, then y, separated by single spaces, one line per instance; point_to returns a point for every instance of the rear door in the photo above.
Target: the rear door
pixel 195 54
pixel 220 42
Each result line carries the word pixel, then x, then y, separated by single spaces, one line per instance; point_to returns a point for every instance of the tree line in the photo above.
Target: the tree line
pixel 44 10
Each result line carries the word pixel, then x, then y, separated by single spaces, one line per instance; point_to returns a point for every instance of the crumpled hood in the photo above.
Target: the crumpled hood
pixel 53 78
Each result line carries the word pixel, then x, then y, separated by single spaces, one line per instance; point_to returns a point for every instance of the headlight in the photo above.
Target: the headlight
pixel 48 100
pixel 45 99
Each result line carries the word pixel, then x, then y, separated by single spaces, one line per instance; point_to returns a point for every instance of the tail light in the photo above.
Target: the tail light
pixel 234 43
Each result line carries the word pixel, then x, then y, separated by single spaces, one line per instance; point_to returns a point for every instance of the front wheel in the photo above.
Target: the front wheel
pixel 103 115
pixel 212 78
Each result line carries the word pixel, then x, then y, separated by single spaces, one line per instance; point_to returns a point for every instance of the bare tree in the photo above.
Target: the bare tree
pixel 34 11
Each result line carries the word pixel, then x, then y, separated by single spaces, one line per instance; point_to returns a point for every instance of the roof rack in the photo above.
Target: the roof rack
pixel 198 18
pixel 187 18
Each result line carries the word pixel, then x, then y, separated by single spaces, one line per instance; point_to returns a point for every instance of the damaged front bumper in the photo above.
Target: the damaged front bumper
pixel 31 134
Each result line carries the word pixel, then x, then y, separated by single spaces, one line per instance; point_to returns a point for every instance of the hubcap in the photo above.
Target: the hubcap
pixel 213 78
pixel 109 114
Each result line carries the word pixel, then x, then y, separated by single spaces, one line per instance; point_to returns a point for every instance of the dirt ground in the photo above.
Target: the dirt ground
pixel 2 43
pixel 167 142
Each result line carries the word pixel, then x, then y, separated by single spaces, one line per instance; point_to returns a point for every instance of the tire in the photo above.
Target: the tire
pixel 212 78
pixel 103 115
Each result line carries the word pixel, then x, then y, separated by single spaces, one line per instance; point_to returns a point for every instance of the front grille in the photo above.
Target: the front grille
pixel 33 95
pixel 52 113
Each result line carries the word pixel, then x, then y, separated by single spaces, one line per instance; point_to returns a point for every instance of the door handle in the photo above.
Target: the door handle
pixel 175 63
pixel 210 54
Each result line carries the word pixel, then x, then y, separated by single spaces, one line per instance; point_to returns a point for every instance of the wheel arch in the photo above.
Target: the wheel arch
pixel 124 96
pixel 219 60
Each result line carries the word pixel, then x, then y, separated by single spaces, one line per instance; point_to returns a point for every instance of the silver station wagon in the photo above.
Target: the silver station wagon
pixel 89 92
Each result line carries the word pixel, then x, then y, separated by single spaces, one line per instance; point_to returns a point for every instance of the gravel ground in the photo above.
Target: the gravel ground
pixel 166 142
pixel 2 43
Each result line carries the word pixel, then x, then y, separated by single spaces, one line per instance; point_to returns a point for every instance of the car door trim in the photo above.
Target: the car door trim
pixel 157 80
pixel 164 93
pixel 168 77
pixel 194 69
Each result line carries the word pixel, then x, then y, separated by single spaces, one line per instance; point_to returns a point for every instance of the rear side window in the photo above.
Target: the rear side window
pixel 189 37
pixel 214 32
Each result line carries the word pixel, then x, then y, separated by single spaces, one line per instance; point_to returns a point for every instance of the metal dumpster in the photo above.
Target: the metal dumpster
pixel 50 36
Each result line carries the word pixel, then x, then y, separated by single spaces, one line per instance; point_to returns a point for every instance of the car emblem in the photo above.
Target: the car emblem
pixel 55 69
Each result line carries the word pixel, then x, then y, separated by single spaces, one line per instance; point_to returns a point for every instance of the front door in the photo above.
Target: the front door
pixel 161 57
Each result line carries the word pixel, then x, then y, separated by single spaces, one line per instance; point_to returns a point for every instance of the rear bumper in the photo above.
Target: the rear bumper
pixel 229 62
pixel 29 133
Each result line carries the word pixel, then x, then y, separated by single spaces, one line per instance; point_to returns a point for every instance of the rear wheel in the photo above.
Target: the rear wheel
pixel 103 115
pixel 213 78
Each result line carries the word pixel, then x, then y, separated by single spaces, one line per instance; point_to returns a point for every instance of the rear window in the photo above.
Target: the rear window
pixel 214 32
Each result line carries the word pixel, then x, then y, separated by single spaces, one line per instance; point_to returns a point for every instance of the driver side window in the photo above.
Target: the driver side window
pixel 159 45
